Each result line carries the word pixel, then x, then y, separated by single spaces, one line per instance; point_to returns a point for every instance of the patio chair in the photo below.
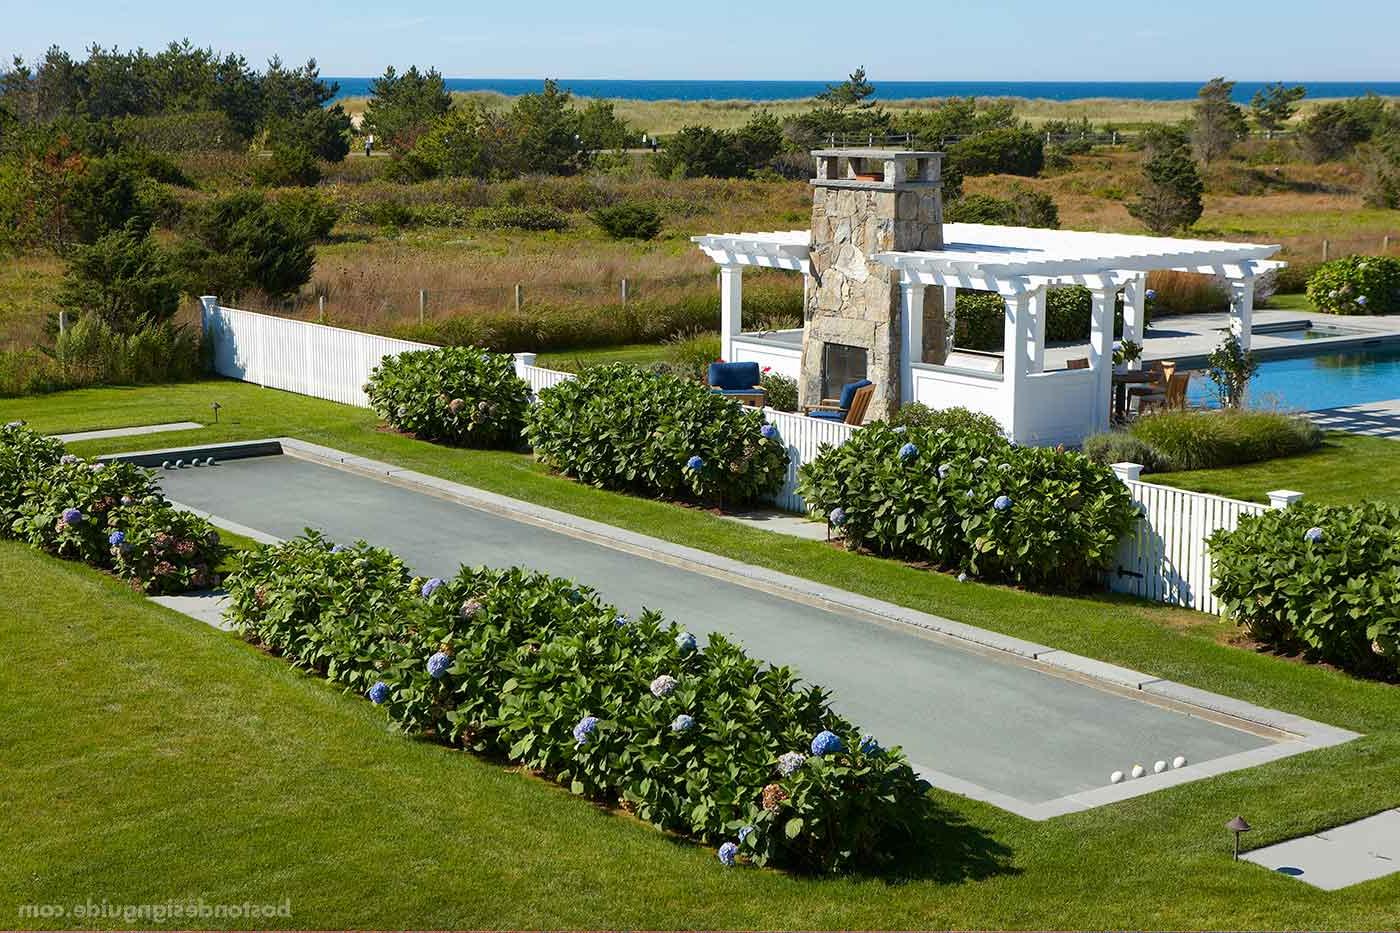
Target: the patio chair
pixel 738 381
pixel 1174 397
pixel 1155 392
pixel 849 408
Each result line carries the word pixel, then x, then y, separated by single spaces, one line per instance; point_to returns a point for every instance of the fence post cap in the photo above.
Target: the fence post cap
pixel 1283 498
pixel 209 301
pixel 1127 471
pixel 525 359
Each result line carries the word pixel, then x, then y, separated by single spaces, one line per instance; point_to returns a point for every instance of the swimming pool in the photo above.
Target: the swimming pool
pixel 1326 380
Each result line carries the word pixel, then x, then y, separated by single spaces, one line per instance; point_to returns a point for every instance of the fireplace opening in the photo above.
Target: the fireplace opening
pixel 841 364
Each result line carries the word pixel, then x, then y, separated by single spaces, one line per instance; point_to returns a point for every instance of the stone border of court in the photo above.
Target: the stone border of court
pixel 1298 734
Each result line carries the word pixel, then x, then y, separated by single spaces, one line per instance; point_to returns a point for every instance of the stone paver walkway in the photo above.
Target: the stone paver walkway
pixel 128 432
pixel 1375 419
pixel 1340 857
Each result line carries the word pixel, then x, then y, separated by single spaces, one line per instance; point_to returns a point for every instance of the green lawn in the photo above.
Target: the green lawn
pixel 159 759
pixel 636 353
pixel 1347 468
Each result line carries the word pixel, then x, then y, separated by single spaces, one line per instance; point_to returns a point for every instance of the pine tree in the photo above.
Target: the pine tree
pixel 1171 195
pixel 1218 121
pixel 1273 105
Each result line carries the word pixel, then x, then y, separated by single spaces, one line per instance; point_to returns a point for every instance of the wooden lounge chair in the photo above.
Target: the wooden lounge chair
pixel 1174 396
pixel 738 381
pixel 849 408
pixel 1155 392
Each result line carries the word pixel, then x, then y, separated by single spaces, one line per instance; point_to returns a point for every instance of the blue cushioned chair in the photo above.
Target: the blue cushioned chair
pixel 850 407
pixel 737 380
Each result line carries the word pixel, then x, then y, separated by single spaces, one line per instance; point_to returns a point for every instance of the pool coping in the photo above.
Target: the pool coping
pixel 1292 734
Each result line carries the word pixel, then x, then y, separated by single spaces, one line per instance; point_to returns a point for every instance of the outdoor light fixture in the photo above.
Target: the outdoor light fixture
pixel 1237 826
pixel 216 406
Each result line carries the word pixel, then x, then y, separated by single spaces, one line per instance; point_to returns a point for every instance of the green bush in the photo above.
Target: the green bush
pixel 1121 447
pixel 781 390
pixel 1002 151
pixel 620 427
pixel 243 241
pixel 522 217
pixel 956 419
pixel 1357 285
pixel 459 395
pixel 109 515
pixel 511 664
pixel 306 214
pixel 195 131
pixel 287 166
pixel 981 317
pixel 1025 208
pixel 628 221
pixel 90 353
pixel 690 353
pixel 969 501
pixel 125 279
pixel 1326 578
pixel 1198 440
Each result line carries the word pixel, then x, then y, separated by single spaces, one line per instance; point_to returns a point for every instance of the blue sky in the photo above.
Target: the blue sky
pixel 955 40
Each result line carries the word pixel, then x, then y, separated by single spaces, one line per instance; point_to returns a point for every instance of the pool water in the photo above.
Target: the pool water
pixel 1309 383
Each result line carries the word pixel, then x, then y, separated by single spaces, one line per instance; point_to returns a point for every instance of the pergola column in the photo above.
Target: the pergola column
pixel 731 308
pixel 950 318
pixel 911 336
pixel 1101 352
pixel 1242 310
pixel 1014 362
pixel 1135 314
pixel 1035 343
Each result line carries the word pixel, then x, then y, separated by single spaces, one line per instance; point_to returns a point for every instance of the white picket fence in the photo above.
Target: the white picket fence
pixel 1165 560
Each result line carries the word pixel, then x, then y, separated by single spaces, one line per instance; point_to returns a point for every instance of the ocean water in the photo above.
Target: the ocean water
pixel 886 90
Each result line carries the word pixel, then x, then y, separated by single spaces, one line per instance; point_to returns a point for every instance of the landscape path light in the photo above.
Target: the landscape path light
pixel 1237 826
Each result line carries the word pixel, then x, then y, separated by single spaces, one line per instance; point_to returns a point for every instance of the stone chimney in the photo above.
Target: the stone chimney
pixel 866 201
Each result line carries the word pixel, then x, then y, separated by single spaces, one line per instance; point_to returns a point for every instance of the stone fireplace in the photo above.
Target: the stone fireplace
pixel 864 202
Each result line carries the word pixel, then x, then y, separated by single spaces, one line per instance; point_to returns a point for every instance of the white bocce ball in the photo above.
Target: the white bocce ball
pixel 1179 761
pixel 1138 771
pixel 1116 777
pixel 1159 767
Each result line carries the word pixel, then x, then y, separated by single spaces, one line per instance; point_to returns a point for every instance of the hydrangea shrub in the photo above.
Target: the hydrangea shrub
pixel 696 741
pixel 622 427
pixel 1356 285
pixel 970 501
pixel 1323 579
pixel 464 396
pixel 110 515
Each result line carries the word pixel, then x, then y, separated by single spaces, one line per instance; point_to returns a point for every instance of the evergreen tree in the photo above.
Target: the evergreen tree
pixel 402 107
pixel 1273 105
pixel 1218 122
pixel 853 92
pixel 1170 199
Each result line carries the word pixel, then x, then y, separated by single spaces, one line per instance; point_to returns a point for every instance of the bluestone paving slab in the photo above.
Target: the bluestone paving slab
pixel 128 432
pixel 1339 857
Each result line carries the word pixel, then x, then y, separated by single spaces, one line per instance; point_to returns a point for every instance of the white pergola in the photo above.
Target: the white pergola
pixel 1020 264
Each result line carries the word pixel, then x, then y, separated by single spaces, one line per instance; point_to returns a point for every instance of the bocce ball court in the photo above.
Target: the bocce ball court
pixel 1039 734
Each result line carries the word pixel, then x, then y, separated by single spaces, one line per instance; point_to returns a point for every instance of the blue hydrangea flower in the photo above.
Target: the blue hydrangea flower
pixel 683 723
pixel 837 516
pixel 1361 300
pixel 943 470
pixel 584 729
pixel 728 853
pixel 469 609
pixel 869 745
pixel 379 692
pixel 1002 503
pixel 827 742
pixel 789 762
pixel 438 664
pixel 72 516
pixel 962 578
pixel 1151 294
pixel 621 620
pixel 338 549
pixel 744 833
pixel 68 458
pixel 431 586
pixel 908 452
pixel 97 467
pixel 695 463
pixel 116 538
pixel 1313 534
pixel 769 431
pixel 663 686
pixel 899 429
pixel 686 642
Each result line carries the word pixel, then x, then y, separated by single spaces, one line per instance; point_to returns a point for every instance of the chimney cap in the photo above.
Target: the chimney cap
pixel 867 152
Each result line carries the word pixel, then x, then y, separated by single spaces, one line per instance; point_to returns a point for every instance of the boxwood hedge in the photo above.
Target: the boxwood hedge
pixel 465 396
pixel 110 515
pixel 622 427
pixel 1324 579
pixel 974 502
pixel 699 740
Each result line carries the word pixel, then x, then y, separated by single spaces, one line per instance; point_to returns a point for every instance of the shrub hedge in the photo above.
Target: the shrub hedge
pixel 1357 285
pixel 971 501
pixel 981 317
pixel 621 427
pixel 110 515
pixel 702 741
pixel 459 395
pixel 1324 578
pixel 957 419
pixel 1198 440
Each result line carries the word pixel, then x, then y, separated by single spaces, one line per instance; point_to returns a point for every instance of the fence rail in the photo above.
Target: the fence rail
pixel 1164 560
